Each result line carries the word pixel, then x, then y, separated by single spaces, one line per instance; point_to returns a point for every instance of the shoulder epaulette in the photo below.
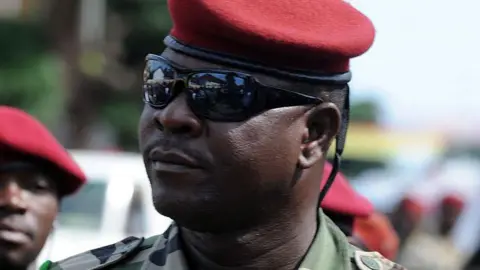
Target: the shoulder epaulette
pixel 363 260
pixel 102 257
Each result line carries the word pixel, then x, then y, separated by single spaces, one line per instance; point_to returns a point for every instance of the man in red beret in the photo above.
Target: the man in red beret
pixel 451 207
pixel 356 217
pixel 407 217
pixel 376 233
pixel 437 250
pixel 240 111
pixel 343 204
pixel 35 173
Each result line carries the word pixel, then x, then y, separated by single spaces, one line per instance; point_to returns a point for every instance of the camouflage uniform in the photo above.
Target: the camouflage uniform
pixel 329 251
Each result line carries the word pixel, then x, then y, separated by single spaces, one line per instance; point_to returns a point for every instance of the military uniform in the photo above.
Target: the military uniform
pixel 329 251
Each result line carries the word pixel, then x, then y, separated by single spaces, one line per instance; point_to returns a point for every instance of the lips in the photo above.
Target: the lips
pixel 173 158
pixel 13 235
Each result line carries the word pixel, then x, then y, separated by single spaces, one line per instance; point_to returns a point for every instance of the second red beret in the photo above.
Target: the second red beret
pixel 342 198
pixel 22 133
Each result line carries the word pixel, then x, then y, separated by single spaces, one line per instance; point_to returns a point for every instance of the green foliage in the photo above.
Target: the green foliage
pixel 33 87
pixel 21 41
pixel 150 23
pixel 123 114
pixel 364 111
pixel 28 75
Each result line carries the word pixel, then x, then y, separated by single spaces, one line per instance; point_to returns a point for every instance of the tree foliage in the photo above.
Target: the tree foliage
pixel 365 112
pixel 27 70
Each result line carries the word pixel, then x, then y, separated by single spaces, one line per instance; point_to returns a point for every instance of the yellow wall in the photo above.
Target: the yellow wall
pixel 373 142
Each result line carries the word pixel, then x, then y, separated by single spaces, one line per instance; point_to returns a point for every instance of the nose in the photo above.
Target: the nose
pixel 12 196
pixel 178 118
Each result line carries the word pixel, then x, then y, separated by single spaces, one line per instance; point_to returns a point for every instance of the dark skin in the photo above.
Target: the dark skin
pixel 254 198
pixel 28 207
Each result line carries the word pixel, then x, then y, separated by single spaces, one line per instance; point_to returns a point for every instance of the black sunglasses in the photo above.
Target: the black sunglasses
pixel 214 94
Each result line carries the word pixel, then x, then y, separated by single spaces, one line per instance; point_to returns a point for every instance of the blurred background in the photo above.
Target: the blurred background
pixel 414 139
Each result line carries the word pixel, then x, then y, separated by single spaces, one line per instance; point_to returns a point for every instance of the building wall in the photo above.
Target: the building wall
pixel 10 8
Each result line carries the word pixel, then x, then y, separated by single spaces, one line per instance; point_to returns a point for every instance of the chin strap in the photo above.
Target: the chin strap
pixel 339 147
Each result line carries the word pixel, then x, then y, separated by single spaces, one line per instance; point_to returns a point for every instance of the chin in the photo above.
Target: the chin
pixel 196 215
pixel 10 263
pixel 185 216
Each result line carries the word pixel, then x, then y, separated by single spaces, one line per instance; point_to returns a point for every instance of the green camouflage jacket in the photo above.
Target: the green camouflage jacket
pixel 329 251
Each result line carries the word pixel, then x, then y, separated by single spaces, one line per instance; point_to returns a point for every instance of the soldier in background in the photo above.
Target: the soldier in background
pixel 342 203
pixel 376 233
pixel 424 250
pixel 356 217
pixel 407 218
pixel 35 173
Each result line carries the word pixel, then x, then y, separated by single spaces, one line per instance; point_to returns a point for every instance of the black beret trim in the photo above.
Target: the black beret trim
pixel 298 75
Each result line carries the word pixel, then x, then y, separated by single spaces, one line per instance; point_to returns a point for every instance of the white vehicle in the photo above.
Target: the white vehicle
pixel 386 187
pixel 114 204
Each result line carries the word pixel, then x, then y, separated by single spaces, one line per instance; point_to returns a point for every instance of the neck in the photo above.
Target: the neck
pixel 279 245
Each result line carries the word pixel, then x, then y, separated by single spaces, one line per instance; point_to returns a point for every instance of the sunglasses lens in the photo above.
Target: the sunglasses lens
pixel 156 94
pixel 220 96
pixel 217 95
pixel 159 85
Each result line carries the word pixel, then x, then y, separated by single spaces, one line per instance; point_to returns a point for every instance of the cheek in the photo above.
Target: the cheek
pixel 266 146
pixel 43 211
pixel 144 124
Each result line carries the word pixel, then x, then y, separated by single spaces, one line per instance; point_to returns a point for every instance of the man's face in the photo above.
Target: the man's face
pixel 244 172
pixel 28 207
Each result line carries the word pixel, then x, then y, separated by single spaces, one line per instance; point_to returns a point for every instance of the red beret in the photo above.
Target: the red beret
pixel 413 207
pixel 22 133
pixel 314 35
pixel 377 234
pixel 342 198
pixel 453 200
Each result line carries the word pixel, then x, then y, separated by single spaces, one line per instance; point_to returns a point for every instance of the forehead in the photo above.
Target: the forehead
pixel 194 63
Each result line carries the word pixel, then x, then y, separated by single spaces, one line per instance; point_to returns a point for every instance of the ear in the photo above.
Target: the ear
pixel 323 124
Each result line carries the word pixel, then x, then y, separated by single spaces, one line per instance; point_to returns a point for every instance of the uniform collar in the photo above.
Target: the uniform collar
pixel 167 253
pixel 328 251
